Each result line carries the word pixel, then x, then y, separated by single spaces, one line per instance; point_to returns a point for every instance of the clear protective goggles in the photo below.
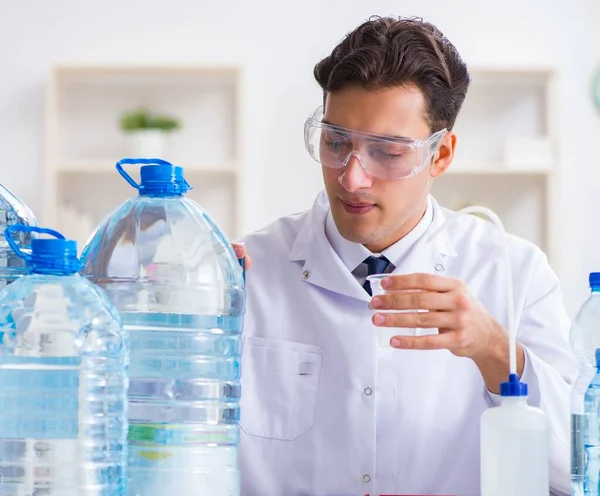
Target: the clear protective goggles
pixel 381 156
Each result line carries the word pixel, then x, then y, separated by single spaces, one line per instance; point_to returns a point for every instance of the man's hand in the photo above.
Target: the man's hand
pixel 240 252
pixel 465 327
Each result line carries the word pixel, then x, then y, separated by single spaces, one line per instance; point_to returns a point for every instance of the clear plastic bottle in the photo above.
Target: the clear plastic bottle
pixel 179 287
pixel 63 398
pixel 591 435
pixel 585 340
pixel 13 211
pixel 514 446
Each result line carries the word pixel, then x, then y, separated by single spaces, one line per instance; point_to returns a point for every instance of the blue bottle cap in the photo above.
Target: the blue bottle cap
pixel 513 387
pixel 158 177
pixel 595 280
pixel 53 255
pixel 163 180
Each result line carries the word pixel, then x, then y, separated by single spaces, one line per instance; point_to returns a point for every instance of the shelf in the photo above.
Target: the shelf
pixel 145 74
pixel 509 120
pixel 89 109
pixel 497 171
pixel 511 75
pixel 519 200
pixel 84 139
pixel 106 166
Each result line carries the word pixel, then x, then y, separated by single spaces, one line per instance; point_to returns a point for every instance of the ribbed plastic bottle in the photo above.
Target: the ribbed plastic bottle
pixel 179 287
pixel 13 211
pixel 585 395
pixel 591 435
pixel 514 445
pixel 63 380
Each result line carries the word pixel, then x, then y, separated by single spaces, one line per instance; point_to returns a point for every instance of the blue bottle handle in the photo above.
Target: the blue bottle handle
pixel 8 235
pixel 243 265
pixel 137 161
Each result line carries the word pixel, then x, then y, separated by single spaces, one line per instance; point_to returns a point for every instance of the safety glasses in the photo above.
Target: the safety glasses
pixel 381 156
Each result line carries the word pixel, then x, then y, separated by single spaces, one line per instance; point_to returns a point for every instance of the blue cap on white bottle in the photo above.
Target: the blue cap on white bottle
pixel 513 387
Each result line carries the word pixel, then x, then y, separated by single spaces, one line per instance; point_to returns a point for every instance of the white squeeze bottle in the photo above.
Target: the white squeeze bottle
pixel 514 445
pixel 514 435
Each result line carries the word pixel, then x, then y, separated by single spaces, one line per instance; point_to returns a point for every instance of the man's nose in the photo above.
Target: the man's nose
pixel 354 175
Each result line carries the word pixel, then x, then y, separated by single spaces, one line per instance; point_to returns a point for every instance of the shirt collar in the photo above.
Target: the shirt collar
pixel 353 254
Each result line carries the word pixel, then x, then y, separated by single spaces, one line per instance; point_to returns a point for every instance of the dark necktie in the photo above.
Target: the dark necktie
pixel 376 265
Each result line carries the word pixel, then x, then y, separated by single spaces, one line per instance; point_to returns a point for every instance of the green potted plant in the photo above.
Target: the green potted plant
pixel 148 132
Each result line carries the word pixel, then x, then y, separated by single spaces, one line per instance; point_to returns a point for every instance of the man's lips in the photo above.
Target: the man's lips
pixel 357 208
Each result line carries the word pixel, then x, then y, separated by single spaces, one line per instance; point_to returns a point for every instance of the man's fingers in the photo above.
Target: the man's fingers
pixel 426 282
pixel 240 252
pixel 423 320
pixel 430 342
pixel 414 300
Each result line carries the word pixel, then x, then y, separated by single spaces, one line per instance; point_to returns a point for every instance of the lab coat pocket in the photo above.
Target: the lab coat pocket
pixel 280 382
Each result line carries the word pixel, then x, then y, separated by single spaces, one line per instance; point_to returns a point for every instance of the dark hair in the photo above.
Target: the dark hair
pixel 387 51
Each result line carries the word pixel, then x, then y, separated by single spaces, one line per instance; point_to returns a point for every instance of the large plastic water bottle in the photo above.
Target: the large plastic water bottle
pixel 591 435
pixel 63 380
pixel 177 283
pixel 13 211
pixel 585 444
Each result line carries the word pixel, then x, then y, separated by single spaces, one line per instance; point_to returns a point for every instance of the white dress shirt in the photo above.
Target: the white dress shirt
pixel 354 254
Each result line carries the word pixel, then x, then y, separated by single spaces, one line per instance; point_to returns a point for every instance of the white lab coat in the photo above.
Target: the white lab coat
pixel 327 412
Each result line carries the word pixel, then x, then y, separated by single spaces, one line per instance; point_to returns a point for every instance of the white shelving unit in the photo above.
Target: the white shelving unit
pixel 84 140
pixel 507 153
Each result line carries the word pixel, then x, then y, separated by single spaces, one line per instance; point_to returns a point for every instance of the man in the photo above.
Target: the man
pixel 325 409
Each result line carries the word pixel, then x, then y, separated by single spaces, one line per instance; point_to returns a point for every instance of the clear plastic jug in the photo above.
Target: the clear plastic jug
pixel 63 380
pixel 12 212
pixel 175 279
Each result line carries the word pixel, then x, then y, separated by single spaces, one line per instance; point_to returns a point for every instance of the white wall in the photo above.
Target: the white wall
pixel 278 43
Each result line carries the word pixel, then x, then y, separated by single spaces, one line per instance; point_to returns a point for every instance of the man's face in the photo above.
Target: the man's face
pixel 368 210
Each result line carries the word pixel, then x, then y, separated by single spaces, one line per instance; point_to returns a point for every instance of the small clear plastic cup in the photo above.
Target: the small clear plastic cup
pixel 385 334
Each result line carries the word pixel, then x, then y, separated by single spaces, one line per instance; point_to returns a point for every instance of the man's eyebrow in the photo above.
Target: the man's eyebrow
pixel 385 136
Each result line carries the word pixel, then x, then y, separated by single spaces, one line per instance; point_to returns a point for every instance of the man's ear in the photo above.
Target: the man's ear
pixel 443 157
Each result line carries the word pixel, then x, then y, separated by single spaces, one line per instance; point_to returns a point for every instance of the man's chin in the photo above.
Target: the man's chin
pixel 362 236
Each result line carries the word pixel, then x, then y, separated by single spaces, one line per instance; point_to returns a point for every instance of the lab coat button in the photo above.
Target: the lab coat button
pixel 306 274
pixel 366 478
pixel 439 267
pixel 368 391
